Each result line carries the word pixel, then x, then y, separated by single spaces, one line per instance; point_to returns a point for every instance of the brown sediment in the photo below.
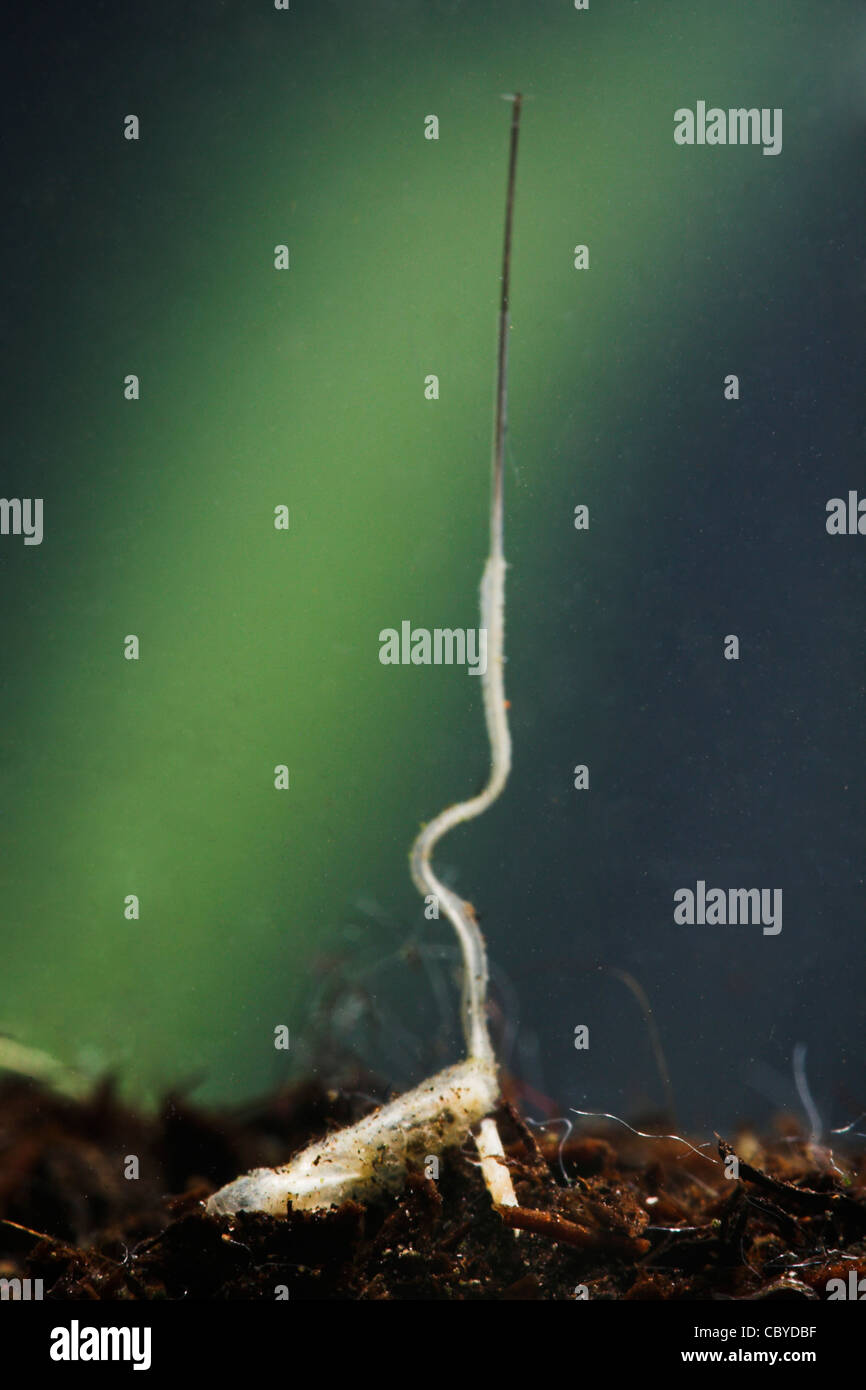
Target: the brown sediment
pixel 635 1220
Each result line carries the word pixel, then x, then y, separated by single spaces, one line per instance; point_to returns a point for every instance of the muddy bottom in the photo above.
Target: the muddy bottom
pixel 103 1204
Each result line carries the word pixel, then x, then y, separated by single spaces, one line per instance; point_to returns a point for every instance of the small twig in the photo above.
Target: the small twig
pixel 40 1235
pixel 806 1198
pixel 556 1227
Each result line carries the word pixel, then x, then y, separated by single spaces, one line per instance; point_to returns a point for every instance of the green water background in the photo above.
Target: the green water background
pixel 306 388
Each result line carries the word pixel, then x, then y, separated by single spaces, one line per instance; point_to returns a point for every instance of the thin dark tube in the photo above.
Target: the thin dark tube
pixel 501 417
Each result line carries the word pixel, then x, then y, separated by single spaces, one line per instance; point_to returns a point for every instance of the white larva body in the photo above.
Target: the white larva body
pixel 373 1155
